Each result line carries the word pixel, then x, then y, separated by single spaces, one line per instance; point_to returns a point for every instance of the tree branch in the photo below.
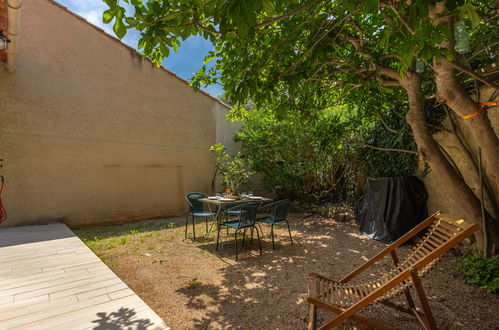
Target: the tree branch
pixel 386 125
pixel 389 82
pixel 388 56
pixel 286 15
pixel 389 72
pixel 389 149
pixel 292 67
pixel 472 74
pixel 400 18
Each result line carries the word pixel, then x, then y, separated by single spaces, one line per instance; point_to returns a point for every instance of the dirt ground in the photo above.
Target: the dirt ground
pixel 191 286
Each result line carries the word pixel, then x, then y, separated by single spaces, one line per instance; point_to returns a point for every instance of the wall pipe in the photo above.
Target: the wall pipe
pixel 13 13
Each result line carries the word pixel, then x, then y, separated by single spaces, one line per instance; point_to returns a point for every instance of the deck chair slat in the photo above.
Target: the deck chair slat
pixel 450 226
pixel 437 240
pixel 445 229
pixel 441 235
pixel 425 248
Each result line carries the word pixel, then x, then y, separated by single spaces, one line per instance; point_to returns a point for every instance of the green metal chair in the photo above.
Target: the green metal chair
pixel 245 218
pixel 196 210
pixel 278 212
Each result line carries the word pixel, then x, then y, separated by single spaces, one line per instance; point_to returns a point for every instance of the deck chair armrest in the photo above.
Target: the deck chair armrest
pixel 410 234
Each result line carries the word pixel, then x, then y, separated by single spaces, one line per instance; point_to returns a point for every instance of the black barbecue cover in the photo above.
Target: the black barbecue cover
pixel 391 207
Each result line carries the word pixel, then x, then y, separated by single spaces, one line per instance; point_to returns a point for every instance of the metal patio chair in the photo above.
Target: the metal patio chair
pixel 196 210
pixel 243 219
pixel 278 212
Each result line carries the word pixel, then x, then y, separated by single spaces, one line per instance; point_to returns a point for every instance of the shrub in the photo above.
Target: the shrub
pixel 481 271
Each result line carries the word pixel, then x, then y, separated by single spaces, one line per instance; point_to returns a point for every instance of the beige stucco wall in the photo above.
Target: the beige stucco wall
pixel 438 199
pixel 92 133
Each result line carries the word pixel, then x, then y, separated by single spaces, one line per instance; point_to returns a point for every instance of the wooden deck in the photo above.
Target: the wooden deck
pixel 49 279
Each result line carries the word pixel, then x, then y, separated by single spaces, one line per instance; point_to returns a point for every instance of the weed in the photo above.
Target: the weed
pixel 111 244
pixel 481 271
pixel 160 261
pixel 134 231
pixel 193 283
pixel 124 240
pixel 142 239
pixel 150 247
pixel 171 225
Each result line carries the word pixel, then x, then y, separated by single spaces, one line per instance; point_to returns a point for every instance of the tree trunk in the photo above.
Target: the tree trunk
pixel 428 151
pixel 451 92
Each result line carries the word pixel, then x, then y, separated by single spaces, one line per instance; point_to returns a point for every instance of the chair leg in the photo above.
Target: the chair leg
pixel 259 241
pixel 218 237
pixel 311 316
pixel 289 231
pixel 272 235
pixel 206 222
pixel 235 238
pixel 430 321
pixel 186 224
pixel 193 228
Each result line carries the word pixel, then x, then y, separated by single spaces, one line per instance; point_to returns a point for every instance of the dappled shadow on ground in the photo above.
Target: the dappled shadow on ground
pixel 124 318
pixel 268 292
pixel 191 286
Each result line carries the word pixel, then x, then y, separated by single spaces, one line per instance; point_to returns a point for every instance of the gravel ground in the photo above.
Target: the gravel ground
pixel 192 287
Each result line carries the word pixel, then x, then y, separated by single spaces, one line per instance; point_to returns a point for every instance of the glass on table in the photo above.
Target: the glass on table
pixel 217 195
pixel 250 193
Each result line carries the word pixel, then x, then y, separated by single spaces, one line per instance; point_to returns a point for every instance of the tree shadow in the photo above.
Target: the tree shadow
pixel 200 296
pixel 121 319
pixel 269 291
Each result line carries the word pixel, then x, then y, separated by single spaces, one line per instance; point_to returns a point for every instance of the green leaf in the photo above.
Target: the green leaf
pixel 119 28
pixel 107 16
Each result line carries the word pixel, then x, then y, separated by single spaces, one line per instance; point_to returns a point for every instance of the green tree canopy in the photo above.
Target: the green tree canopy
pixel 308 55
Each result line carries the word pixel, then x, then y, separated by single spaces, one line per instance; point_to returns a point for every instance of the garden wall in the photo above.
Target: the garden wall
pixel 92 133
pixel 438 198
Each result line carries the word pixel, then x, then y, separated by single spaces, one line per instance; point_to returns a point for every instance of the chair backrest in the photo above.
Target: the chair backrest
pixel 442 234
pixel 192 199
pixel 281 209
pixel 248 213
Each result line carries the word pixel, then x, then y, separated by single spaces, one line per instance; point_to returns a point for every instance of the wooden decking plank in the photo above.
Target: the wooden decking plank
pixel 24 304
pixel 136 316
pixel 77 311
pixel 60 287
pixel 52 282
pixel 108 289
pixel 120 294
pixel 85 288
pixel 37 307
pixel 53 310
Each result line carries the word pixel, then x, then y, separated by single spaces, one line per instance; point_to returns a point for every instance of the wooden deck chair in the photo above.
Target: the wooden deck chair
pixel 345 299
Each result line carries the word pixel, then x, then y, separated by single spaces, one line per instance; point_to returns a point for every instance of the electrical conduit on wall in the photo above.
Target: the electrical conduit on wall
pixel 13 13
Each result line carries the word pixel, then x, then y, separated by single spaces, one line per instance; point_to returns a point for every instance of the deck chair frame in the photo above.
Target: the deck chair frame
pixel 409 273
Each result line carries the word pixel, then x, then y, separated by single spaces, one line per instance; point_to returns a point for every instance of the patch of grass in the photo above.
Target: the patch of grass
pixel 142 239
pixel 150 247
pixel 193 283
pixel 481 271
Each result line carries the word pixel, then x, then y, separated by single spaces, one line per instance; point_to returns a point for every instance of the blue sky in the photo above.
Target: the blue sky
pixel 184 63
